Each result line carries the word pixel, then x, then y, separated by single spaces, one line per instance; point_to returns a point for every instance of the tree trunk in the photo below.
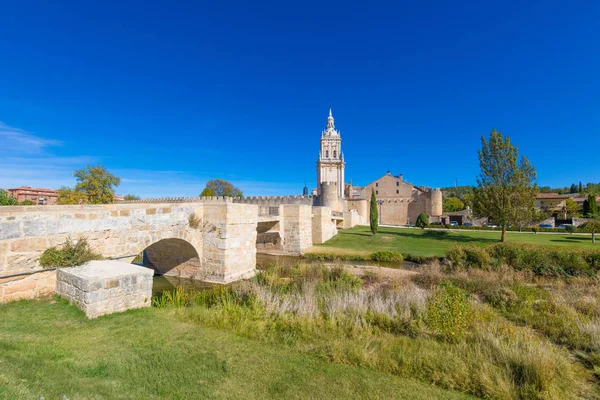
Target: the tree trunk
pixel 503 239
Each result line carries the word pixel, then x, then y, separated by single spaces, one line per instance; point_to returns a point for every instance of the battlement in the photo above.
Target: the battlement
pixel 260 200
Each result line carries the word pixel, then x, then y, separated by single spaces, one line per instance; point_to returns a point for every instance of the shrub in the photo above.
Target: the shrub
pixel 422 221
pixel 536 259
pixel 465 257
pixel 447 312
pixel 69 254
pixel 387 255
pixel 571 229
pixel 26 203
pixel 194 221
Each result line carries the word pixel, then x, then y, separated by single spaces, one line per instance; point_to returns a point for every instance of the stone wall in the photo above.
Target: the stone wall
pixel 322 226
pixel 297 228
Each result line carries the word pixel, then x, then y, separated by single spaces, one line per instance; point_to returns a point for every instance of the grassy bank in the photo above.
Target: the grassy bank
pixel 49 349
pixel 360 242
pixel 494 334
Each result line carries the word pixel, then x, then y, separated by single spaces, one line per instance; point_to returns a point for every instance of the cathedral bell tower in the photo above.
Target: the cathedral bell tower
pixel 330 167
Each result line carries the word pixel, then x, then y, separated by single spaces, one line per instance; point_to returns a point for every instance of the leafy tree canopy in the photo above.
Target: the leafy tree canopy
pixel 207 193
pixel 222 187
pixel 97 184
pixel 68 196
pixel 131 197
pixel 6 199
pixel 506 191
pixel 452 204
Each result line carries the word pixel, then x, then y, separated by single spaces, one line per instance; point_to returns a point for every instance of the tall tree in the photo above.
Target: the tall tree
pixel 374 215
pixel 590 207
pixel 580 188
pixel 573 188
pixel 222 187
pixel 506 190
pixel 97 184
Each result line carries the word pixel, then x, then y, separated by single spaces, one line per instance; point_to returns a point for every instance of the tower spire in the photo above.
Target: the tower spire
pixel 330 111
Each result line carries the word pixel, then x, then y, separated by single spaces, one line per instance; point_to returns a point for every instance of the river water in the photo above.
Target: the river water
pixel 163 282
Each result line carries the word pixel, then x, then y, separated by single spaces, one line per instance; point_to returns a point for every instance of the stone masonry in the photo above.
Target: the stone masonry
pixel 105 287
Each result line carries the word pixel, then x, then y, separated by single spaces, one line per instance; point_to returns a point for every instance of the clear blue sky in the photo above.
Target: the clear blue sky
pixel 170 94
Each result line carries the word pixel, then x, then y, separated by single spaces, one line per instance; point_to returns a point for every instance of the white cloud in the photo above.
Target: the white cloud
pixel 14 139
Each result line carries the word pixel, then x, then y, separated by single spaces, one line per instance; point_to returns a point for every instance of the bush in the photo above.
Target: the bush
pixel 194 221
pixel 26 203
pixel 422 221
pixel 536 259
pixel 447 312
pixel 571 229
pixel 69 255
pixel 387 255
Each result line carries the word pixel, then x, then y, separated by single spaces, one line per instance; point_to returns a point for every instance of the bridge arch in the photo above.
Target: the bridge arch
pixel 173 257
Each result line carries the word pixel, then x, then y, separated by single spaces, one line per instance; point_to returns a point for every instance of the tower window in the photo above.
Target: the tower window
pixel 397 183
pixel 377 184
pixel 397 191
pixel 377 192
pixel 334 154
pixel 326 153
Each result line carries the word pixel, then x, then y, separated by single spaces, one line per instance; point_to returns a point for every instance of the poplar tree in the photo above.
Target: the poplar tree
pixel 374 215
pixel 506 190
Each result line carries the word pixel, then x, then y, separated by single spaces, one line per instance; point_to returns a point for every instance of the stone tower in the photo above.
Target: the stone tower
pixel 330 167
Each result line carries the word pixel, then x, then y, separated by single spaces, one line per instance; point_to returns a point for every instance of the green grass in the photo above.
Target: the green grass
pixel 48 348
pixel 417 242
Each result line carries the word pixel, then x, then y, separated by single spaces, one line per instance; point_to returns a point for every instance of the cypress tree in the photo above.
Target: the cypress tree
pixel 580 187
pixel 374 215
pixel 590 207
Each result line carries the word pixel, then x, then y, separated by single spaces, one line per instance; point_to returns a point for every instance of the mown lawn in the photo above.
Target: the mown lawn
pixel 49 349
pixel 417 242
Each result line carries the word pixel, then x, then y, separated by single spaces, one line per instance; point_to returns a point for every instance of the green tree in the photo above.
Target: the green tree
pixel 422 221
pixel 97 184
pixel 27 203
pixel 506 191
pixel 6 199
pixel 571 229
pixel 580 188
pixel 452 204
pixel 68 196
pixel 590 207
pixel 222 187
pixel 572 208
pixel 374 215
pixel 573 188
pixel 207 193
pixel 130 197
pixel 593 227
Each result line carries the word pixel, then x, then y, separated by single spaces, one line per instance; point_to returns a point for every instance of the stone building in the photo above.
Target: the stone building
pixel 399 202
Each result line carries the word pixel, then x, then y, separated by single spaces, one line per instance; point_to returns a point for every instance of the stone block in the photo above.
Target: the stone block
pixel 35 228
pixel 28 245
pixel 105 287
pixel 9 230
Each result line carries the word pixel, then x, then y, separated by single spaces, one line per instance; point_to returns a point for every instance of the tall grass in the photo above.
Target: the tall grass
pixel 442 329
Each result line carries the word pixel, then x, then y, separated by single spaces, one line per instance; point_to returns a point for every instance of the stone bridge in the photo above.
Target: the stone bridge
pixel 209 239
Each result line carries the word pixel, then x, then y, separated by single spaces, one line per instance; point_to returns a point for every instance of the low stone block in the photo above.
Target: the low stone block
pixel 106 286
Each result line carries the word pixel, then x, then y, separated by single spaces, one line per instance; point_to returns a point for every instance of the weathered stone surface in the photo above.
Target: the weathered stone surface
pixel 9 230
pixel 105 287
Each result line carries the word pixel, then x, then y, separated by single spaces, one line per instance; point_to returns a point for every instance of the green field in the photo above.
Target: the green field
pixel 417 242
pixel 49 349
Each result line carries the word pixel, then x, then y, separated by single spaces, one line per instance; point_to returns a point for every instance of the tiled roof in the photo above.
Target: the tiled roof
pixel 551 196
